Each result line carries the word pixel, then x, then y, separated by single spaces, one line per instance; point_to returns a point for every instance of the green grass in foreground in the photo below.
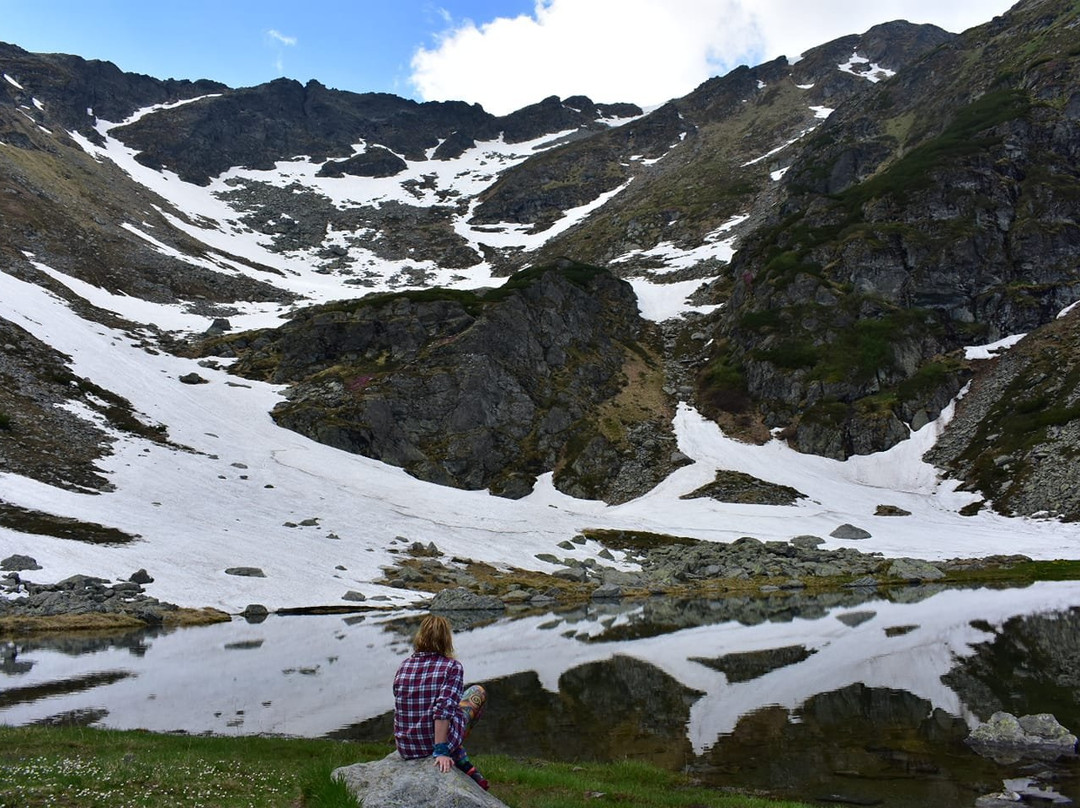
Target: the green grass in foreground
pixel 75 767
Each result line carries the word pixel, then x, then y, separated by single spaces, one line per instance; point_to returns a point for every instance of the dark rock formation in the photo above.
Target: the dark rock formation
pixel 82 594
pixel 880 733
pixel 479 390
pixel 530 194
pixel 375 162
pixel 991 680
pixel 246 572
pixel 705 139
pixel 735 486
pixel 555 115
pixel 77 91
pixel 47 442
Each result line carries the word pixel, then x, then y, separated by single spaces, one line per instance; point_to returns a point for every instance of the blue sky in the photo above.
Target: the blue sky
pixel 503 54
pixel 359 45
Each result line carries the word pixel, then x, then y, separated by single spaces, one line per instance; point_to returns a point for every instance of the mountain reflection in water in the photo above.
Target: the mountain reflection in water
pixel 856 696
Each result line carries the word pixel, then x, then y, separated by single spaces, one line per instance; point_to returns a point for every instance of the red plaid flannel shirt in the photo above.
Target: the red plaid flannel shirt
pixel 427 687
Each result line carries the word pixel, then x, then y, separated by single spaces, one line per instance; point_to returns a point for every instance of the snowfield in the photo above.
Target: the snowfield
pixel 225 501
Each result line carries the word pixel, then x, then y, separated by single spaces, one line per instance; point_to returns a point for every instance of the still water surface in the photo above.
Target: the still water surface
pixel 859 697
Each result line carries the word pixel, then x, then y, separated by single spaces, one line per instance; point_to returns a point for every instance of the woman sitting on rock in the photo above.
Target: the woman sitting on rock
pixel 432 716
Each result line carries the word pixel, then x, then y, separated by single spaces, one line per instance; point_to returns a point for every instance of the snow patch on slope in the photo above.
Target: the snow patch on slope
pixel 872 73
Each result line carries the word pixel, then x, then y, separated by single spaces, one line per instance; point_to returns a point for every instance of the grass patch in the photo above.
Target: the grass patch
pixel 790 354
pixel 104 623
pixel 6 422
pixel 636 539
pixel 722 386
pixel 963 137
pixel 34 522
pixel 1021 572
pixel 77 766
pixel 783 268
pixel 929 378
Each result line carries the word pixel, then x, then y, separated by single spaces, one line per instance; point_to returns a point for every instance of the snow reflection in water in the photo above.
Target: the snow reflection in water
pixel 861 695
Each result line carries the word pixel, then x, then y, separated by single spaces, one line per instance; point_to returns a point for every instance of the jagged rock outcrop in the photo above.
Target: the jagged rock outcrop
pixel 257 126
pixel 480 390
pixel 77 90
pixel 555 115
pixel 736 486
pixel 697 160
pixel 1017 429
pixel 542 188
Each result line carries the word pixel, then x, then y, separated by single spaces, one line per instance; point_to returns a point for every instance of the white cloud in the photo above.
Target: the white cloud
pixel 280 38
pixel 278 41
pixel 646 51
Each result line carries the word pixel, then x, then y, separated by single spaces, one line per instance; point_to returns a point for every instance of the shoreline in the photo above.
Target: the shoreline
pixel 515 592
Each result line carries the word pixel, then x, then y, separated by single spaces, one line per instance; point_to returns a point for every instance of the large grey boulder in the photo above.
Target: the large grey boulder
pixel 246 572
pixel 396 783
pixel 914 569
pixel 459 599
pixel 1006 738
pixel 607 592
pixel 19 563
pixel 849 531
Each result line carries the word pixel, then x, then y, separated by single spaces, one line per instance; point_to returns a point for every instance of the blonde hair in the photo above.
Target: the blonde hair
pixel 435 635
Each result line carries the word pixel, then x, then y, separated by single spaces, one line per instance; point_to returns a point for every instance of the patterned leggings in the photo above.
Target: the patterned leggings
pixel 472 706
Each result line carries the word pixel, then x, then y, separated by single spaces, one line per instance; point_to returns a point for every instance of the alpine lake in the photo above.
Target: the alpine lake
pixel 854 697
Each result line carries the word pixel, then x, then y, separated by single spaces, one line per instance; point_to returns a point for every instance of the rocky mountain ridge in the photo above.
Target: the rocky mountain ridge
pixel 935 215
pixel 841 227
